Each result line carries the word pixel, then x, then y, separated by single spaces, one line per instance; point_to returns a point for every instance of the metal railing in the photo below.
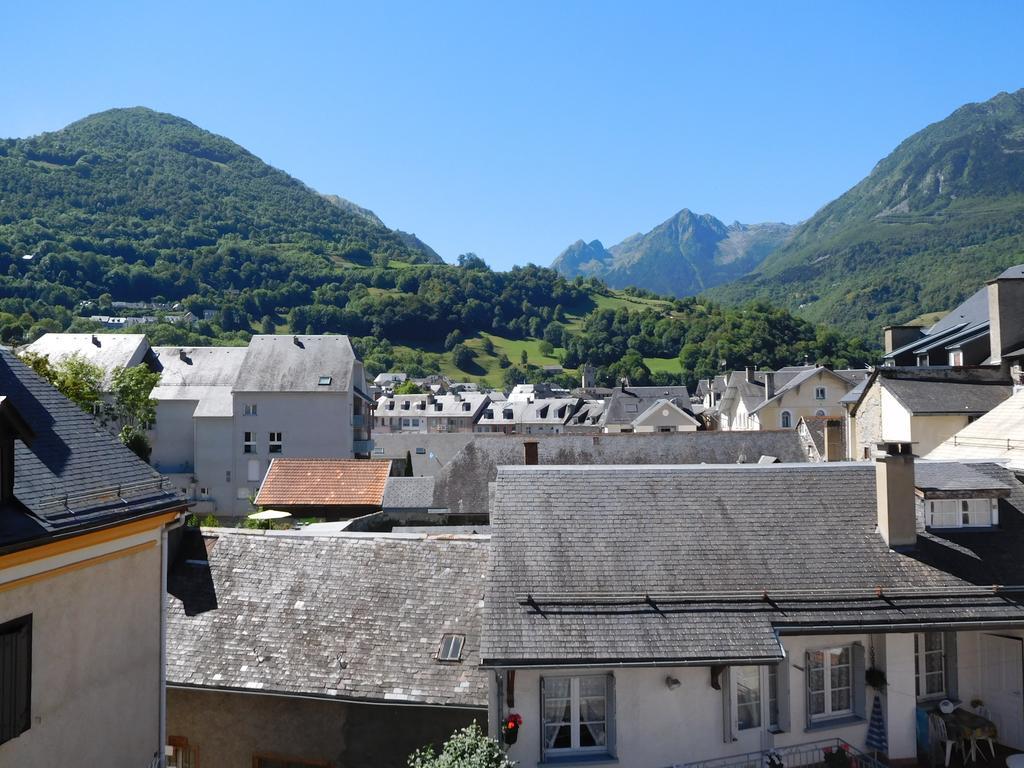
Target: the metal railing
pixel 796 756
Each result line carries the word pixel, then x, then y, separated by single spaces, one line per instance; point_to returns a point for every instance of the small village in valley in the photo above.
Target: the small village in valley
pixel 547 471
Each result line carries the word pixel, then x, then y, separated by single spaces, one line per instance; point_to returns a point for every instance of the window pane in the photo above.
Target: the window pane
pixel 592 734
pixel 592 686
pixel 748 697
pixel 592 709
pixel 773 695
pixel 815 679
pixel 557 737
pixel 817 703
pixel 557 687
pixel 557 710
pixel 840 699
pixel 933 641
pixel 840 676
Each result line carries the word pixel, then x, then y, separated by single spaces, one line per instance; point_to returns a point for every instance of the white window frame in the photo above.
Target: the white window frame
pixel 275 442
pixel 250 409
pixel 951 513
pixel 759 675
pixel 921 664
pixel 249 442
pixel 450 649
pixel 574 718
pixel 773 698
pixel 828 713
pixel 820 393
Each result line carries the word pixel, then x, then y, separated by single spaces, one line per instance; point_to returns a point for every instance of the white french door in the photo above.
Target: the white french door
pixel 1002 686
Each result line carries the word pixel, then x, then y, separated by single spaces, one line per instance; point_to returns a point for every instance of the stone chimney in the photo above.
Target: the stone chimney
pixel 95 340
pixel 894 486
pixel 896 336
pixel 769 385
pixel 588 376
pixel 1006 313
pixel 530 453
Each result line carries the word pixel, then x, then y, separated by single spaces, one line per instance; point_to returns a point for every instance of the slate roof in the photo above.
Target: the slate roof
pixel 624 405
pixel 670 564
pixel 324 483
pixel 432 406
pixel 549 410
pixel 408 493
pixel 923 396
pixel 462 485
pixel 107 350
pixel 356 617
pixel 74 477
pixel 952 478
pixel 281 363
pixel 437 448
pixel 201 374
pixel 664 404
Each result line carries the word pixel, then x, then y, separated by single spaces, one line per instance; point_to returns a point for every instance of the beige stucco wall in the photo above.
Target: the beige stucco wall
pixel 228 728
pixel 95 658
pixel 930 431
pixel 667 416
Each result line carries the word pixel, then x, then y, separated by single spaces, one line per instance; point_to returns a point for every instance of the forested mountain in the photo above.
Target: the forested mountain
pixel 935 219
pixel 682 256
pixel 133 205
pixel 134 185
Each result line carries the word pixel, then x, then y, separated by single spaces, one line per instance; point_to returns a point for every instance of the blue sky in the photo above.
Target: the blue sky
pixel 512 129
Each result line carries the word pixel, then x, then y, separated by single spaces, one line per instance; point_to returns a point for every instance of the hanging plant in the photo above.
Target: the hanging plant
pixel 510 727
pixel 875 677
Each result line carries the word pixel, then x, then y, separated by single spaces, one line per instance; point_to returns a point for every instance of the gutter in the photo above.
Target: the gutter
pixel 708 662
pixel 161 757
pixel 322 697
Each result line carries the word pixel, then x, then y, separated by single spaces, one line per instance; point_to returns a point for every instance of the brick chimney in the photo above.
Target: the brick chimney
pixel 1006 313
pixel 530 453
pixel 894 486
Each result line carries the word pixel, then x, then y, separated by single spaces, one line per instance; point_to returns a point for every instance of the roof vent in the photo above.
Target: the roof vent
pixel 296 341
pixel 96 340
pixel 183 355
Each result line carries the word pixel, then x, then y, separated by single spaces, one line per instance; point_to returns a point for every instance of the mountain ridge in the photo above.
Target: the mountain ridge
pixel 682 256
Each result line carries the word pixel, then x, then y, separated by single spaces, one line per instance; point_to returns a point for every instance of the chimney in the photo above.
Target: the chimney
pixel 769 385
pixel 750 373
pixel 96 340
pixel 894 485
pixel 530 453
pixel 182 355
pixel 1006 313
pixel 895 336
pixel 834 440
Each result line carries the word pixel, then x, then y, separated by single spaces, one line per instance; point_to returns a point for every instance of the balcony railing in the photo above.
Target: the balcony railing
pixel 796 756
pixel 362 446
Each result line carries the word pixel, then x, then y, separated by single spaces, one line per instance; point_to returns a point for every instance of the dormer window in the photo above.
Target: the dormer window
pixel 466 406
pixel 391 405
pixel 438 407
pixel 961 513
pixel 405 405
pixel 451 647
pixel 488 414
pixel 506 413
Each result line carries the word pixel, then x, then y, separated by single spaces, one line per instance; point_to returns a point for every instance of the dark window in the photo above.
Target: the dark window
pixel 278 761
pixel 15 677
pixel 324 381
pixel 451 648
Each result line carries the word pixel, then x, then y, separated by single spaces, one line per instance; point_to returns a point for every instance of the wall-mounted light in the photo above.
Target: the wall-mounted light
pixel 672 683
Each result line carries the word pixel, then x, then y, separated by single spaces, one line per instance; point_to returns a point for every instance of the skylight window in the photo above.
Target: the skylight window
pixel 451 648
pixel 325 381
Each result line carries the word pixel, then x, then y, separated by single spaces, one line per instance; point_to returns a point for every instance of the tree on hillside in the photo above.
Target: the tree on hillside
pixel 408 387
pixel 462 356
pixel 466 748
pixel 452 339
pixel 524 358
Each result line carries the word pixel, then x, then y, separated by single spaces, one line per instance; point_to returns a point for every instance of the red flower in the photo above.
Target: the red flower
pixel 512 722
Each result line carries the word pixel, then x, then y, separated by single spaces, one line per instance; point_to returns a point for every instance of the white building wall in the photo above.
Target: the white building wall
pixel 657 726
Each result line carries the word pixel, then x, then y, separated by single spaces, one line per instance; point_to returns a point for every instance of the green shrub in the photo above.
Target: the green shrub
pixel 466 748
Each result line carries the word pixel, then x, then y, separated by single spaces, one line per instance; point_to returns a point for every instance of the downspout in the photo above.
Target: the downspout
pixel 161 756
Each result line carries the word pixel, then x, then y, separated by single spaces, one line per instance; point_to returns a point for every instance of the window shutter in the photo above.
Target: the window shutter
pixel 949 661
pixel 542 710
pixel 728 735
pixel 782 694
pixel 609 709
pixel 807 688
pixel 15 678
pixel 857 655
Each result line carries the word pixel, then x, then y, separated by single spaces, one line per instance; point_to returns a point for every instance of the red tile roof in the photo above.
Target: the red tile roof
pixel 324 482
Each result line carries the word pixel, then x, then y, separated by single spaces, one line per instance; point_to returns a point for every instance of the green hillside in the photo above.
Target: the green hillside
pixel 931 223
pixel 133 205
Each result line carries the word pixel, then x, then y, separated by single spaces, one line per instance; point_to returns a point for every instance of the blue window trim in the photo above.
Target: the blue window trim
pixel 834 722
pixel 591 759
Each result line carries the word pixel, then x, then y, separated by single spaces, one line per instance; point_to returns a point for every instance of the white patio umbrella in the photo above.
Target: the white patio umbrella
pixel 269 514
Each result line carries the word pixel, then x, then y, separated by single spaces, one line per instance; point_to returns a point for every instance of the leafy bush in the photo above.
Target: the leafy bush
pixel 466 748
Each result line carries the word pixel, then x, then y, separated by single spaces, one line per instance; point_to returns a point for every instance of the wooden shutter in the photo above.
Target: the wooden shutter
pixel 543 747
pixel 728 734
pixel 807 688
pixel 858 683
pixel 782 694
pixel 15 677
pixel 950 664
pixel 609 712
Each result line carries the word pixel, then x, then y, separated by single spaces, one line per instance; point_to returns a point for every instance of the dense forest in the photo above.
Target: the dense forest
pixel 133 205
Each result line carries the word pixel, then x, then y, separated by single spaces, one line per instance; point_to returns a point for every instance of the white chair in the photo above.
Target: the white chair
pixel 982 711
pixel 938 728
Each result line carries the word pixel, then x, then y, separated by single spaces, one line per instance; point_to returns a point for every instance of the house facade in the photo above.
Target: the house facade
pixel 453 412
pixel 83 545
pixel 628 619
pixel 779 399
pixel 224 414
